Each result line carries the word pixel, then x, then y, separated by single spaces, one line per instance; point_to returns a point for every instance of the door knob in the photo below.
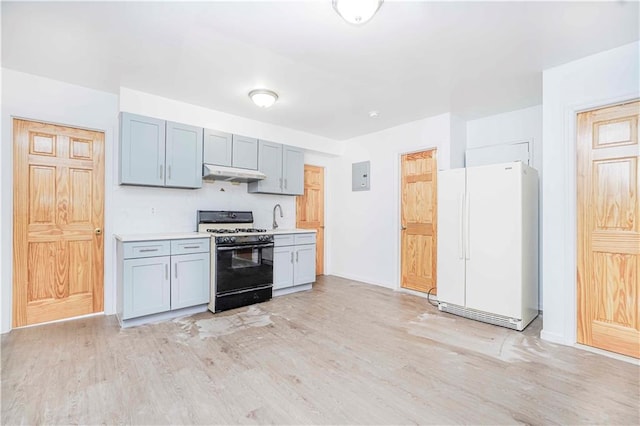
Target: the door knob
pixel 98 231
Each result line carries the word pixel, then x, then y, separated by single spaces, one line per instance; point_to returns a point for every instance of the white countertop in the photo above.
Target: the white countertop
pixel 185 235
pixel 291 231
pixel 160 236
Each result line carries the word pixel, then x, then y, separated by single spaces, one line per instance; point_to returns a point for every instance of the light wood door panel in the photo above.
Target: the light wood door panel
pixel 418 216
pixel 310 210
pixel 608 229
pixel 58 206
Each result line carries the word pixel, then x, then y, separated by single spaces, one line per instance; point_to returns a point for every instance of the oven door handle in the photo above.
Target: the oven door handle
pixel 248 246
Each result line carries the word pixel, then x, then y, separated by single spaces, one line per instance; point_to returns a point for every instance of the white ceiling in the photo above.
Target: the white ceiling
pixel 413 60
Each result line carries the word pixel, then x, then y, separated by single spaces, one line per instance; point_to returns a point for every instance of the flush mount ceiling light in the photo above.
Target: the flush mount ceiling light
pixel 356 12
pixel 263 98
pixel 374 114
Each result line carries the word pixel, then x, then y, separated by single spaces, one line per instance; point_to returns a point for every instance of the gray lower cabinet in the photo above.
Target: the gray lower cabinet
pixel 155 152
pixel 147 287
pixel 159 276
pixel 226 149
pixel 189 280
pixel 294 260
pixel 284 167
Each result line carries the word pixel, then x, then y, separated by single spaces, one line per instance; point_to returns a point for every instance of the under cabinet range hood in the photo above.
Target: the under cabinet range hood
pixel 230 174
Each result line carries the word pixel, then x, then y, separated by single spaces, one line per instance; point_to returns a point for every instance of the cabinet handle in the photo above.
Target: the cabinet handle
pixel 191 247
pixel 161 169
pixel 169 172
pixel 146 250
pixel 166 271
pixel 297 257
pixel 291 257
pixel 176 265
pixel 285 183
pixel 280 183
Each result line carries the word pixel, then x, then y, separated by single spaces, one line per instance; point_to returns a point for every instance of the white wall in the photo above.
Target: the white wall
pixel 131 209
pixel 602 79
pixel 458 141
pixel 512 127
pixel 507 128
pixel 365 227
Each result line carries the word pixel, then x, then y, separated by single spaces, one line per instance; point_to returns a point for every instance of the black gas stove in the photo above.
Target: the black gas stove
pixel 243 259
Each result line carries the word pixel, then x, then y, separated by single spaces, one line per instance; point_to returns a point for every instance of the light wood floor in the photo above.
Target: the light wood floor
pixel 343 353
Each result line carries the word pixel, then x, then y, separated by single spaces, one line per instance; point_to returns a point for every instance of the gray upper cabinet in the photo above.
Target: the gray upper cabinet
pixel 269 163
pixel 142 142
pixel 183 156
pixel 154 152
pixel 217 147
pixel 284 167
pixel 293 170
pixel 245 152
pixel 225 149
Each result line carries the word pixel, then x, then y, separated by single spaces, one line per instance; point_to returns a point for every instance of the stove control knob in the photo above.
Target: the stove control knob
pixel 232 239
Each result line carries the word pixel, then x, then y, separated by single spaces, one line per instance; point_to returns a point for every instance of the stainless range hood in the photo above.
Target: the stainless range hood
pixel 230 174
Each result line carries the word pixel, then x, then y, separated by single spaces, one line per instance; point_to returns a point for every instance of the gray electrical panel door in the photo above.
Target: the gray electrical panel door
pixel 360 176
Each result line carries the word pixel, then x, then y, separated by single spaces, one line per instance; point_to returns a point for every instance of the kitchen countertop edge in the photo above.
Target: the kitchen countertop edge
pixel 159 236
pixel 186 235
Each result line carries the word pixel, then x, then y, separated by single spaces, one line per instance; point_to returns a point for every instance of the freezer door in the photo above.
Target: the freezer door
pixel 451 263
pixel 494 239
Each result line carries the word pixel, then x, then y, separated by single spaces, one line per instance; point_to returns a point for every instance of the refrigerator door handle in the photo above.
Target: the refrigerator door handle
pixel 461 224
pixel 467 246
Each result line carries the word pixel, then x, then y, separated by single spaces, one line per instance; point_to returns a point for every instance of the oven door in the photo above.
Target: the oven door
pixel 240 268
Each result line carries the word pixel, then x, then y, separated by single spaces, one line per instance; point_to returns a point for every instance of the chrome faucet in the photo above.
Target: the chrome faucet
pixel 275 224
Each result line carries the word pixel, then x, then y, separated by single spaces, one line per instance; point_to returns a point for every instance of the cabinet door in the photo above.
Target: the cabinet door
pixel 184 156
pixel 189 280
pixel 146 286
pixel 269 163
pixel 245 152
pixel 305 264
pixel 283 259
pixel 142 154
pixel 217 148
pixel 293 170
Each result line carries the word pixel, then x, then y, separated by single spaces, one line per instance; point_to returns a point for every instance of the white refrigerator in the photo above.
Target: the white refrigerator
pixel 487 266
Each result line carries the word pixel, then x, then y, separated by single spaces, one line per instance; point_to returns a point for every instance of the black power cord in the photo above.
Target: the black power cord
pixel 429 297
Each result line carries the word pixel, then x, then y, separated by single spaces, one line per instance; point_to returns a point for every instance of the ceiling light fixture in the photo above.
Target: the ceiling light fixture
pixel 374 114
pixel 356 12
pixel 263 98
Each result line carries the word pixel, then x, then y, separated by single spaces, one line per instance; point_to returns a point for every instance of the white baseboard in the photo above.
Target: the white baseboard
pixel 554 337
pixel 360 279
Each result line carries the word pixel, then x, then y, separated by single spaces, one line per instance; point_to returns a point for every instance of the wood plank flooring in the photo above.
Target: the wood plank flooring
pixel 343 353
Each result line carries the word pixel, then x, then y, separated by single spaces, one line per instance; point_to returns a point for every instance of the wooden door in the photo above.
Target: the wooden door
pixel 608 217
pixel 418 221
pixel 58 202
pixel 310 210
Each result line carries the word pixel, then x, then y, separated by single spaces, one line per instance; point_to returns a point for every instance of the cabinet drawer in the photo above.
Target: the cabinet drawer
pixel 137 249
pixel 201 245
pixel 283 240
pixel 305 238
